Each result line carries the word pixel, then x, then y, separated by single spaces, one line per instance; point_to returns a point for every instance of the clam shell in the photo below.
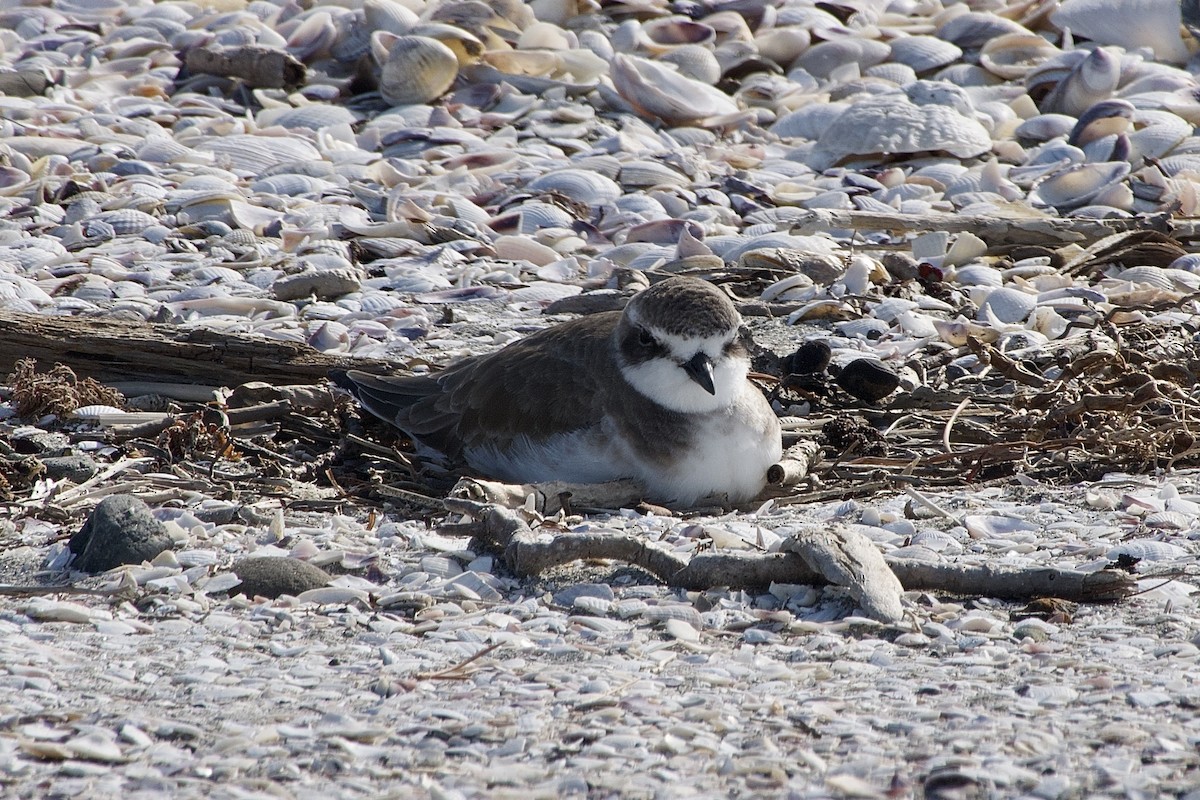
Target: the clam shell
pixel 1127 23
pixel 657 91
pixel 417 69
pixel 1007 305
pixel 1013 55
pixel 1078 185
pixel 580 185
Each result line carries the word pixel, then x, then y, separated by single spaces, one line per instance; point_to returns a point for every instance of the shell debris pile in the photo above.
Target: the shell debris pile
pixel 420 179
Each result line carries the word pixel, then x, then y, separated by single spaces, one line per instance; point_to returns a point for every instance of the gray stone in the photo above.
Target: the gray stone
pixel 77 468
pixel 271 576
pixel 121 530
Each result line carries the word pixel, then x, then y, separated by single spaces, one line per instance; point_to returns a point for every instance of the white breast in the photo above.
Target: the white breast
pixel 729 457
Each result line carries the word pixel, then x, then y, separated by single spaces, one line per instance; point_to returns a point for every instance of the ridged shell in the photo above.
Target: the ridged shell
pixel 924 53
pixel 579 185
pixel 892 124
pixel 252 154
pixel 417 69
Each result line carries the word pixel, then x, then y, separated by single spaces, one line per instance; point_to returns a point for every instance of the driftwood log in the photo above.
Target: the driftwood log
pixel 834 555
pixel 117 350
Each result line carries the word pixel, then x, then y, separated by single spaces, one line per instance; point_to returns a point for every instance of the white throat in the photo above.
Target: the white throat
pixel 665 382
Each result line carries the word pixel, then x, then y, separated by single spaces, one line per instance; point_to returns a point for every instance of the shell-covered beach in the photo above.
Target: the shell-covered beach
pixel 986 211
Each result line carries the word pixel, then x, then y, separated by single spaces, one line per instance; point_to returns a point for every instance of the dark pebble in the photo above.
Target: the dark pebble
pixel 271 576
pixel 809 358
pixel 77 468
pixel 868 380
pixel 121 530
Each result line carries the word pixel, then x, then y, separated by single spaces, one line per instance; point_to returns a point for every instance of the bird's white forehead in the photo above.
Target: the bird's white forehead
pixel 684 347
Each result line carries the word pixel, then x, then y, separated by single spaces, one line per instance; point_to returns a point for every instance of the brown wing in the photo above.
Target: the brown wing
pixel 553 381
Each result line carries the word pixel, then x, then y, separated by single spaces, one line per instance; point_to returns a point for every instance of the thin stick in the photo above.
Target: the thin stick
pixel 449 672
pixel 950 424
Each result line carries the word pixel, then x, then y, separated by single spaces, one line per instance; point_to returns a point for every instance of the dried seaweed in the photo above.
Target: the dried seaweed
pixel 58 391
pixel 1114 399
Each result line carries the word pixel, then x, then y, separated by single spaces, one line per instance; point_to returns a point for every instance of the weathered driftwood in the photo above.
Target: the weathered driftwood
pixel 528 553
pixel 844 557
pixel 257 65
pixel 553 496
pixel 118 350
pixel 998 232
pixel 795 465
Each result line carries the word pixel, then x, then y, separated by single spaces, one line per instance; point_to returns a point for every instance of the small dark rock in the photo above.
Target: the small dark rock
pixel 810 357
pixel 24 83
pixel 900 266
pixel 868 380
pixel 77 468
pixel 271 576
pixel 121 530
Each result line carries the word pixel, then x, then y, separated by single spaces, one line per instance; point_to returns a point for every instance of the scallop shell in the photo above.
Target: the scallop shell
pixel 824 58
pixel 1127 23
pixel 580 185
pixel 924 53
pixel 1148 550
pixel 892 124
pixel 694 61
pixel 417 69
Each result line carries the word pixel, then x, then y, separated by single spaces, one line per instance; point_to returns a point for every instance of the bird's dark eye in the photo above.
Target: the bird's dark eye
pixel 645 338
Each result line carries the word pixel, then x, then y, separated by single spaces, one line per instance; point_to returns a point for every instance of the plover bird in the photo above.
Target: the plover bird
pixel 656 393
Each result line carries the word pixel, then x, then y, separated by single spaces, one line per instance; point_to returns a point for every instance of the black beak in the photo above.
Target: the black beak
pixel 699 369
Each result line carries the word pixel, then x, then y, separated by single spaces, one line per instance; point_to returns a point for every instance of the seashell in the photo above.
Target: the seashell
pixel 1006 305
pixel 1077 185
pixel 1160 278
pixel 899 74
pixel 654 90
pixel 1127 23
pixel 824 58
pixel 978 275
pixel 1106 118
pixel 819 267
pixel 974 29
pixel 666 32
pixel 1168 520
pixel 808 122
pixel 416 69
pixel 1090 80
pixel 924 53
pixel 1147 550
pixel 695 62
pixel 582 186
pixel 1013 55
pixel 892 124
pixel 314 116
pixel 251 154
pixel 782 45
pixel 642 174
pixel 1044 127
